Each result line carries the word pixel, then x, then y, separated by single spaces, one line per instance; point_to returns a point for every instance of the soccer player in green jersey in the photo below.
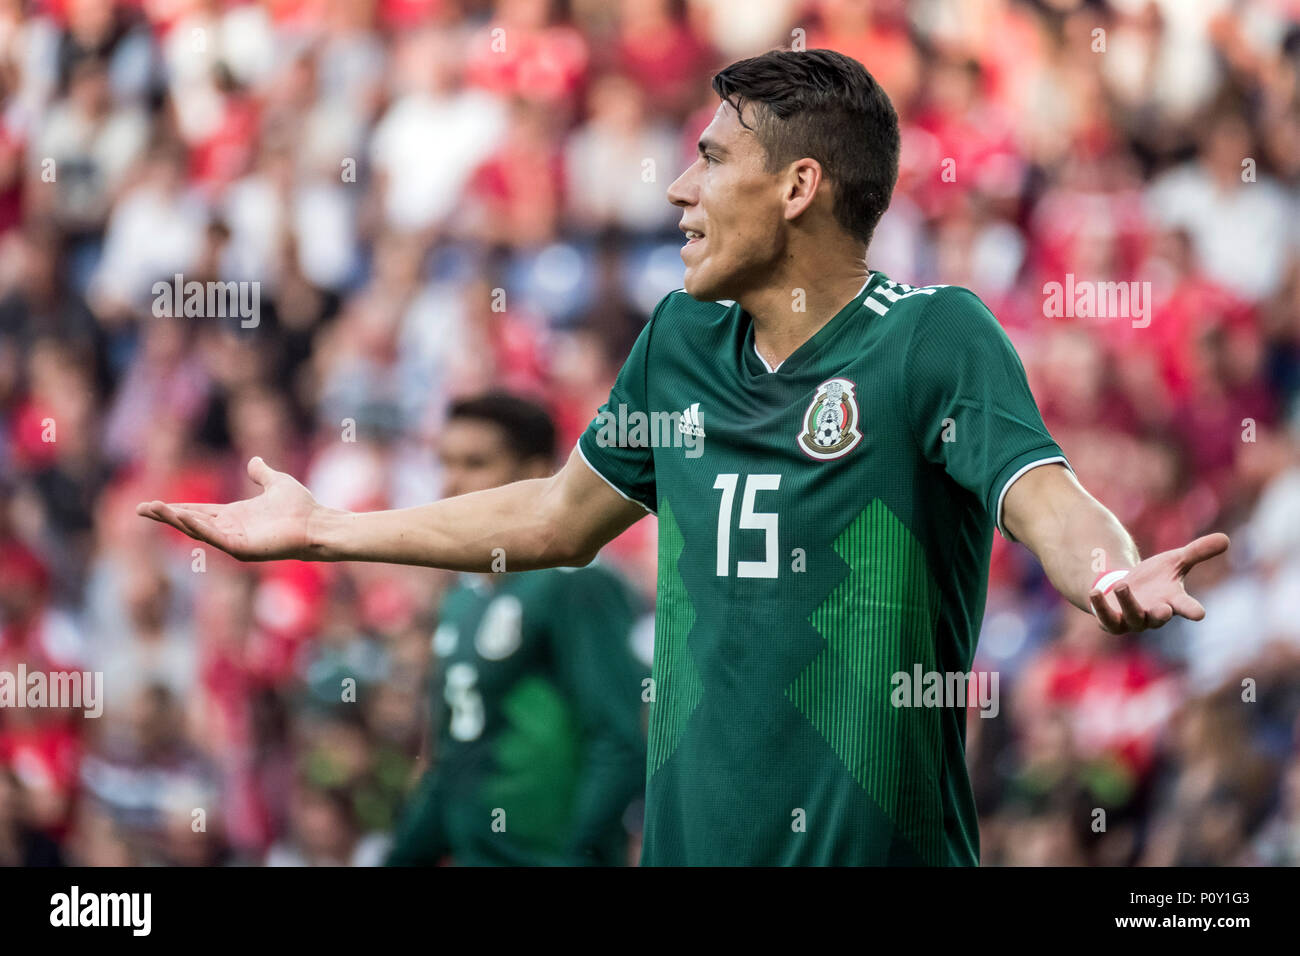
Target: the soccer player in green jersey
pixel 828 451
pixel 537 694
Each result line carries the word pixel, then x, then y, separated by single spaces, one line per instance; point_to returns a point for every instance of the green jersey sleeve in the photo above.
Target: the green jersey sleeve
pixel 420 838
pixel 626 465
pixel 594 613
pixel 968 401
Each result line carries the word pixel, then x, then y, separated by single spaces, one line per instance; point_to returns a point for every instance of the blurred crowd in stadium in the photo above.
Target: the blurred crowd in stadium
pixel 438 197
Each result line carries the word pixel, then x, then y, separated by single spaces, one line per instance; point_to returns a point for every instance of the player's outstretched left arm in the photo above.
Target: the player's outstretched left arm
pixel 1051 513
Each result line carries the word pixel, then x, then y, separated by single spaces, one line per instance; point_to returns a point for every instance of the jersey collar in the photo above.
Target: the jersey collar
pixel 756 366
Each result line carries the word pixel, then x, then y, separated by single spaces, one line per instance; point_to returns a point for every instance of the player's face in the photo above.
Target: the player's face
pixel 734 205
pixel 475 457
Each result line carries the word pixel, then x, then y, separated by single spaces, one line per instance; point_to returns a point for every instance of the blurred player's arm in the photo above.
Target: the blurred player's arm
pixel 540 523
pixel 1069 530
pixel 596 613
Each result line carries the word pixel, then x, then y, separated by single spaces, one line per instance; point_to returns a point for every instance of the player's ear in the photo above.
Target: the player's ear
pixel 803 182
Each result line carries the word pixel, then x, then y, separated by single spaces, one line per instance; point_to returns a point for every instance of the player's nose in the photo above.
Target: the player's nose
pixel 682 192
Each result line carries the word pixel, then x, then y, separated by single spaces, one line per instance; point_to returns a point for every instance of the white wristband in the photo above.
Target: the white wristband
pixel 1106 583
pixel 1108 580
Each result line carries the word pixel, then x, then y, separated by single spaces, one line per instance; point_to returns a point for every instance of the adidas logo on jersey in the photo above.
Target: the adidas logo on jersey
pixel 689 424
pixel 620 427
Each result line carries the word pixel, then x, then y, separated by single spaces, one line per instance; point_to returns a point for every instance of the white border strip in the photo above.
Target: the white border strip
pixel 596 472
pixel 997 520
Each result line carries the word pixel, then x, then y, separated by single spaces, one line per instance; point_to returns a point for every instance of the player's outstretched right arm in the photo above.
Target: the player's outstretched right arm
pixel 540 523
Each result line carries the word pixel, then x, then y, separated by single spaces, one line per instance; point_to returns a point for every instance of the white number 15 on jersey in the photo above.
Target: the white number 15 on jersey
pixel 750 520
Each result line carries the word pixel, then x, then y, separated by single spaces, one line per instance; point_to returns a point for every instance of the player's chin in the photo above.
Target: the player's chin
pixel 702 286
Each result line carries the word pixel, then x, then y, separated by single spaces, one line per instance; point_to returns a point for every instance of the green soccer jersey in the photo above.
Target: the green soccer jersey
pixel 823 527
pixel 538 713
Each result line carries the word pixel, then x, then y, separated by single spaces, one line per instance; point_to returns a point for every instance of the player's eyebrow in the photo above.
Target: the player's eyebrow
pixel 711 146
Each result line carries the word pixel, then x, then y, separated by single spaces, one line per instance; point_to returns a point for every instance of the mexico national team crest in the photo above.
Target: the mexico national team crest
pixel 830 425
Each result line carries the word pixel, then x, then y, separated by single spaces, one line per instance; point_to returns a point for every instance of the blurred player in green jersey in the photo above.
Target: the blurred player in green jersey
pixel 536 692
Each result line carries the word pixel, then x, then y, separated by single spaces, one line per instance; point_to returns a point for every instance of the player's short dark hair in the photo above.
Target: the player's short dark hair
pixel 527 427
pixel 824 105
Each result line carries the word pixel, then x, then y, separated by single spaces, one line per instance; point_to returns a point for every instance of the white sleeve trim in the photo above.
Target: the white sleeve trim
pixel 1012 480
pixel 596 472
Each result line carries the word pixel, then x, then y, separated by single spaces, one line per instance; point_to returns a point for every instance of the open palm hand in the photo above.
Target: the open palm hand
pixel 270 526
pixel 1153 593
